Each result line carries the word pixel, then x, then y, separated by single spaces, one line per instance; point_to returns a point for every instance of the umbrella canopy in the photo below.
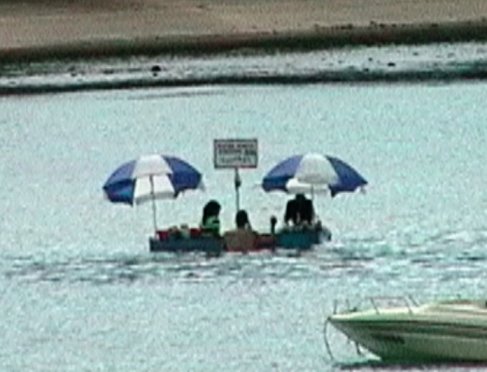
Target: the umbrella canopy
pixel 151 177
pixel 313 173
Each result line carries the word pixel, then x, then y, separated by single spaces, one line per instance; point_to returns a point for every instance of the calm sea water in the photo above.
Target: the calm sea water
pixel 79 290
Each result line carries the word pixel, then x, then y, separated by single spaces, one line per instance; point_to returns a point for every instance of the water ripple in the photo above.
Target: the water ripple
pixel 460 253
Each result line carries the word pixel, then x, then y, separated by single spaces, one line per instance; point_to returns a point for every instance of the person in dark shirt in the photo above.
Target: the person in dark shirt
pixel 299 211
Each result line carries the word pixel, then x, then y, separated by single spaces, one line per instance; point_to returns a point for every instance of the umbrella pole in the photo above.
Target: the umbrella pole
pixel 238 183
pixel 154 211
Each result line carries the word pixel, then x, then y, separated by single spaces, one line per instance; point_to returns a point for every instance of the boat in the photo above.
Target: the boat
pixel 302 238
pixel 208 245
pixel 444 331
pixel 184 239
pixel 246 241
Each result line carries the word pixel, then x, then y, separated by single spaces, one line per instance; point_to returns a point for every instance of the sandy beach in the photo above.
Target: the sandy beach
pixel 32 29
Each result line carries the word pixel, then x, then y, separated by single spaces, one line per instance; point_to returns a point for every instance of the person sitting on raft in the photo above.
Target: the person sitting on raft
pixel 242 220
pixel 243 238
pixel 210 223
pixel 299 211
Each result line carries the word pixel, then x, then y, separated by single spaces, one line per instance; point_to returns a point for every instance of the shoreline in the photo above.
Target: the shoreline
pixel 130 43
pixel 253 42
pixel 33 30
pixel 440 63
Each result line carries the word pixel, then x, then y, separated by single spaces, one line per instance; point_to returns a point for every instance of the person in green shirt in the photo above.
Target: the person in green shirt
pixel 210 223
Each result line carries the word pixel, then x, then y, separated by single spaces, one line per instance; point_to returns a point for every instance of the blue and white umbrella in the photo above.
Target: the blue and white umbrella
pixel 151 177
pixel 313 173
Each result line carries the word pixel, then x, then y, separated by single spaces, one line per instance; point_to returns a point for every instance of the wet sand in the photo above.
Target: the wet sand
pixel 33 29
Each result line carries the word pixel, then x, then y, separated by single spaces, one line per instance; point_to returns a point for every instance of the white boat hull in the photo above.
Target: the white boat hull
pixel 439 333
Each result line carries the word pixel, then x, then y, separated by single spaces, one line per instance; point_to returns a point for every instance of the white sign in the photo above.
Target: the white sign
pixel 235 153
